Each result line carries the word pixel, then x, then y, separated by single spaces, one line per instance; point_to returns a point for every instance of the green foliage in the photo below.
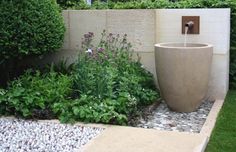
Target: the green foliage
pixel 72 3
pixel 119 0
pixel 150 4
pixel 232 70
pixel 89 109
pixel 223 136
pixel 62 67
pixel 32 95
pixel 29 27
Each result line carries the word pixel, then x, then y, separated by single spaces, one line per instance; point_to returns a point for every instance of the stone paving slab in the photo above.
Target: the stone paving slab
pixel 130 139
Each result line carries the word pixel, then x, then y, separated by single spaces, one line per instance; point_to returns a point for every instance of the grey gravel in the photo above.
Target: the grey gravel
pixel 17 135
pixel 164 119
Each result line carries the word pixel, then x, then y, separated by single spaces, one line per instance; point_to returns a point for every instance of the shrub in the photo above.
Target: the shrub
pixel 71 3
pixel 29 27
pixel 120 0
pixel 32 95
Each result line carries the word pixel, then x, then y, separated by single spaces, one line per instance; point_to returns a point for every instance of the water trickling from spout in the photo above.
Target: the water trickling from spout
pixel 185 36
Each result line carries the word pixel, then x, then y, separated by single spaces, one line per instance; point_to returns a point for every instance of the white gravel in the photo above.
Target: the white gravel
pixel 17 135
pixel 165 119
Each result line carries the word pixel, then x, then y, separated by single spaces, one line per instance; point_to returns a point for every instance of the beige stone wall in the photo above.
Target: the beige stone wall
pixel 147 27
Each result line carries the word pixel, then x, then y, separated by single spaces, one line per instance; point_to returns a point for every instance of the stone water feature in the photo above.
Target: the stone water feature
pixel 183 69
pixel 183 73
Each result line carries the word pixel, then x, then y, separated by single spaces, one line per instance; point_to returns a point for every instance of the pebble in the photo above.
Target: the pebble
pixel 18 135
pixel 164 119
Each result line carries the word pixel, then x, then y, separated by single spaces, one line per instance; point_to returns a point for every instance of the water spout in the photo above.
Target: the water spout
pixel 185 35
pixel 189 24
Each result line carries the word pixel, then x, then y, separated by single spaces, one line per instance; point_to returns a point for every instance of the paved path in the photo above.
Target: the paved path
pixel 129 139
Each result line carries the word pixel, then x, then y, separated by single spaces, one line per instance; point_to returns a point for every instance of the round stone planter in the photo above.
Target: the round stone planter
pixel 183 73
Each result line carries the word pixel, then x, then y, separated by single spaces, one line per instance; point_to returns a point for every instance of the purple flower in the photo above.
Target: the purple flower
pixel 86 36
pixel 91 34
pixel 100 49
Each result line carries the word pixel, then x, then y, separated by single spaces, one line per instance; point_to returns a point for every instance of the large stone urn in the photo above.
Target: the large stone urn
pixel 183 73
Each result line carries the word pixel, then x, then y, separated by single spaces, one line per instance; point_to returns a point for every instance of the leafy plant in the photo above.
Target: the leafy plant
pixel 62 67
pixel 89 109
pixel 72 3
pixel 32 95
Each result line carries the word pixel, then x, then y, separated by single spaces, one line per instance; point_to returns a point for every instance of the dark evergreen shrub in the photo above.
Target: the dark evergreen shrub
pixel 29 27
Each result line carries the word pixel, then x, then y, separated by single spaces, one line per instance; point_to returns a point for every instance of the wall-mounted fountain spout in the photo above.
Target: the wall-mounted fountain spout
pixel 191 23
pixel 188 28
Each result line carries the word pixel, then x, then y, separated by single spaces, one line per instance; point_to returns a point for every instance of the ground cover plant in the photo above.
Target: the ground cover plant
pixel 104 85
pixel 223 136
pixel 33 94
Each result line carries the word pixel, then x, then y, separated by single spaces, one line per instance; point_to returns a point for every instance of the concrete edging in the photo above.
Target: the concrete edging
pixel 211 118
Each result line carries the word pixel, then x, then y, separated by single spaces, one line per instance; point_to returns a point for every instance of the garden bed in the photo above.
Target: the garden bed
pixel 104 85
